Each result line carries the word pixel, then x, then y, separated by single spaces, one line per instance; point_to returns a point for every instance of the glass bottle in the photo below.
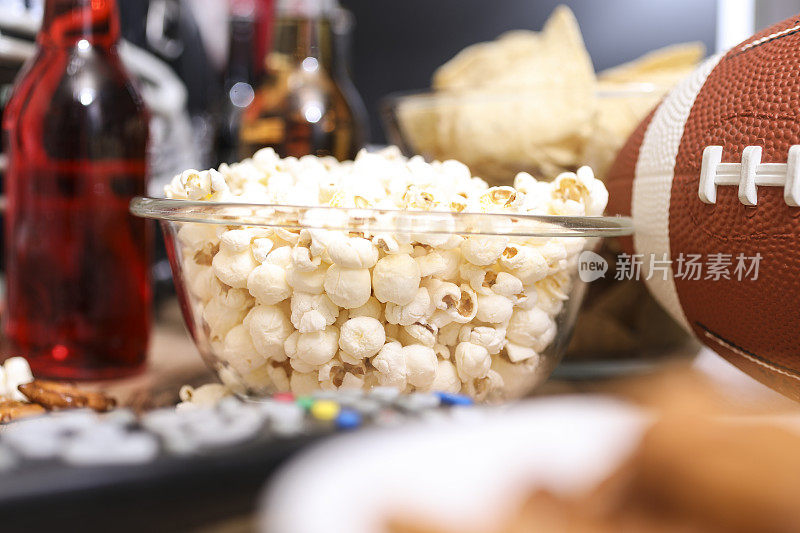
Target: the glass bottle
pixel 237 85
pixel 77 278
pixel 300 107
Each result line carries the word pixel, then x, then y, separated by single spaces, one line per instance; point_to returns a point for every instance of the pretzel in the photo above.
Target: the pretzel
pixel 13 410
pixel 54 395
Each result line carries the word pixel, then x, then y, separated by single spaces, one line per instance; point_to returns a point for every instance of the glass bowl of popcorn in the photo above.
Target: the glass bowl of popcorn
pixel 312 274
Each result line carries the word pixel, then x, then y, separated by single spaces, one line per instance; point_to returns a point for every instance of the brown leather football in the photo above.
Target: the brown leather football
pixel 712 177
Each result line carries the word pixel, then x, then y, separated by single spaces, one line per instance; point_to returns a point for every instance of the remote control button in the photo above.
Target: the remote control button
pixel 108 444
pixel 325 410
pixel 305 402
pixel 348 419
pixel 73 419
pixel 448 398
pixel 37 438
pixel 283 397
pixel 418 402
pixel 384 394
pixel 231 406
pixel 8 459
pixel 242 427
pixel 179 442
pixel 366 406
pixel 119 417
pixel 285 419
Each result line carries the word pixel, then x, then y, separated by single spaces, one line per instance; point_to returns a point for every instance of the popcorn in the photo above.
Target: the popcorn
pixel 482 250
pixel 442 351
pixel 239 351
pixel 421 365
pixel 306 281
pixel 267 283
pixel 372 309
pixel 442 293
pixel 234 262
pixel 347 287
pixel 303 383
pixel 506 284
pixel 578 193
pixel 524 262
pixel 448 335
pixel 446 379
pixel 391 365
pixel 280 256
pixel 201 280
pixel 312 312
pixel 419 333
pixel 207 395
pixel 315 348
pixel 494 308
pixel 431 264
pixel 197 236
pixel 420 308
pixel 14 372
pixel 472 361
pixel 354 252
pixel 226 310
pixel 304 306
pixel 396 279
pixel 533 328
pixel 493 338
pixel 517 352
pixel 463 308
pixel 269 328
pixel 199 185
pixel 302 260
pixel 362 337
pixel 279 378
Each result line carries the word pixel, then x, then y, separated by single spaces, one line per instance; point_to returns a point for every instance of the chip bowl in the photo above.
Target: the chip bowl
pixel 478 339
pixel 498 133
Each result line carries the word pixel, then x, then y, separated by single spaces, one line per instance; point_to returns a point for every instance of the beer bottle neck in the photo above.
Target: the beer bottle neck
pixel 306 41
pixel 67 22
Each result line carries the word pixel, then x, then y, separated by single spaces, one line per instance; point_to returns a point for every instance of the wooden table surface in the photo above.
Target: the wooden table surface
pixel 173 361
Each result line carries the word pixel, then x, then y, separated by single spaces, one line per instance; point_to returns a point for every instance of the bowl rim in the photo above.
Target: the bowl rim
pixel 371 220
pixel 429 95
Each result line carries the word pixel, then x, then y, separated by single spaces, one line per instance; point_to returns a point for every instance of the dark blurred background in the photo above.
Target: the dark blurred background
pixel 396 46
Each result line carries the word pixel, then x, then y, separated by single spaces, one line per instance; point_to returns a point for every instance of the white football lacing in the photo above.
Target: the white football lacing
pixel 749 174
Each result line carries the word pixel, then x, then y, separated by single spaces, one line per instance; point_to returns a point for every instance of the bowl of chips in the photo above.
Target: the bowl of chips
pixel 532 101
pixel 500 133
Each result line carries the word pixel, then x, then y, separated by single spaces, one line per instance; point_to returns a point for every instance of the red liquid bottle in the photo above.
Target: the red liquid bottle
pixel 77 280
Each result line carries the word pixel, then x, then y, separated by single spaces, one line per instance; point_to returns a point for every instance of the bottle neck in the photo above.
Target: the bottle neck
pixel 66 22
pixel 302 41
pixel 240 48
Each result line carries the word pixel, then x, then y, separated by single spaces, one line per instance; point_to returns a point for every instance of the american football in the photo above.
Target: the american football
pixel 712 173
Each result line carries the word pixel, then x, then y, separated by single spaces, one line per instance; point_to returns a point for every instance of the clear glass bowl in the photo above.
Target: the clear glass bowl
pixel 253 345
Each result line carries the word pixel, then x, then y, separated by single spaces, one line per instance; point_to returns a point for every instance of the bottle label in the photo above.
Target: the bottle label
pixel 263 131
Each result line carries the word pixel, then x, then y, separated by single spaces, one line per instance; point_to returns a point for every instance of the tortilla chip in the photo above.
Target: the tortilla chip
pixel 664 67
